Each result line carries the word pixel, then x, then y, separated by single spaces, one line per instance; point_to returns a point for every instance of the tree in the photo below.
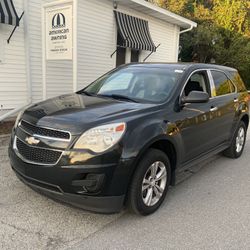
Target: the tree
pixel 231 15
pixel 200 45
pixel 223 33
pixel 182 7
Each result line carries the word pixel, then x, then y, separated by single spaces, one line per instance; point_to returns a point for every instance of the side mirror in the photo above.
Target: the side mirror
pixel 196 97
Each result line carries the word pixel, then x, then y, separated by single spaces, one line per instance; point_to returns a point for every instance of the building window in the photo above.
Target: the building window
pixel 135 55
pixel 121 51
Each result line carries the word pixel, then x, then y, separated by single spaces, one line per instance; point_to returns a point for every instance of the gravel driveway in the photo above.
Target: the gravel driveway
pixel 209 210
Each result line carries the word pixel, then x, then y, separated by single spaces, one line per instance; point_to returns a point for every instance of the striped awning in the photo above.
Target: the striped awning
pixel 134 32
pixel 8 13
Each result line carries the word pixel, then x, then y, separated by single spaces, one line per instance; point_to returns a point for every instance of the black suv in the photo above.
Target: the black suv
pixel 127 136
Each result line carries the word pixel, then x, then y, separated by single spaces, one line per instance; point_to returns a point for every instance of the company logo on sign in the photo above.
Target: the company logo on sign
pixel 58 21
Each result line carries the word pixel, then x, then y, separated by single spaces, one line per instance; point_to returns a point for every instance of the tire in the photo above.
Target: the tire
pixel 139 200
pixel 238 143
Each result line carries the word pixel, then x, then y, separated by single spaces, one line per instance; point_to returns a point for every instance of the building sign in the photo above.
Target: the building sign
pixel 59 37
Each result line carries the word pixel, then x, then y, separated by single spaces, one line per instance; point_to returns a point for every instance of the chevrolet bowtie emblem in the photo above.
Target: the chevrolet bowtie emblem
pixel 31 140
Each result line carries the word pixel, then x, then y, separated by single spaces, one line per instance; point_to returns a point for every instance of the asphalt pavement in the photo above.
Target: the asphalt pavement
pixel 209 210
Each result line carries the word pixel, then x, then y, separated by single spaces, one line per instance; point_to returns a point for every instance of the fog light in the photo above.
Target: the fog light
pixel 92 183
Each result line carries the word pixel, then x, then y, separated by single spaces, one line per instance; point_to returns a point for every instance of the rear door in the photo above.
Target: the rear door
pixel 224 101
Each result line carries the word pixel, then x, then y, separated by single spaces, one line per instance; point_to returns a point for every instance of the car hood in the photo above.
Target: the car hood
pixel 76 112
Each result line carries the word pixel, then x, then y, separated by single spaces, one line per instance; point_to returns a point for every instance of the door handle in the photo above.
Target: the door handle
pixel 212 109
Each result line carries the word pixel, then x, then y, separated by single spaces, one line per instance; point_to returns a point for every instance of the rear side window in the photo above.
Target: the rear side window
pixel 223 85
pixel 238 81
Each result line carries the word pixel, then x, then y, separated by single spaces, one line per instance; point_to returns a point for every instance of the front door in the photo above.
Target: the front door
pixel 197 123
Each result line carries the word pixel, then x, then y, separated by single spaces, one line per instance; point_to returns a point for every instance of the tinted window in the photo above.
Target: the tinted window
pixel 238 81
pixel 223 85
pixel 143 84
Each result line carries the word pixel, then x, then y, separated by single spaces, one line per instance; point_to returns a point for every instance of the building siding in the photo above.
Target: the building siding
pixel 13 85
pixel 35 40
pixel 59 74
pixel 97 39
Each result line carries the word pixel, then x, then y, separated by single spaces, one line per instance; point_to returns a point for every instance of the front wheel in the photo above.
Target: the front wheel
pixel 150 182
pixel 237 146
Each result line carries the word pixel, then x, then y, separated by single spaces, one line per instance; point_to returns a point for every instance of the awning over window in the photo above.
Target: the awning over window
pixel 8 13
pixel 134 32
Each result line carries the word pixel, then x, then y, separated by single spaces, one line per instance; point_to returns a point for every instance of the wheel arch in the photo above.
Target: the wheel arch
pixel 167 146
pixel 169 149
pixel 245 119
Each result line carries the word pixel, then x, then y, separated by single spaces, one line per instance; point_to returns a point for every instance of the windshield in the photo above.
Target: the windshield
pixel 138 84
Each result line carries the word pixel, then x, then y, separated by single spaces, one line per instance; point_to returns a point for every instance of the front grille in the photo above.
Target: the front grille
pixel 37 155
pixel 32 129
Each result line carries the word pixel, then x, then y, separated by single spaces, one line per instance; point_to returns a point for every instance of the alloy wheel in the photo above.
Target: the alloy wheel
pixel 240 140
pixel 154 183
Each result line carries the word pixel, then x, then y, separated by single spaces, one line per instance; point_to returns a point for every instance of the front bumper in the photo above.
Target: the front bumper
pixel 57 182
pixel 108 204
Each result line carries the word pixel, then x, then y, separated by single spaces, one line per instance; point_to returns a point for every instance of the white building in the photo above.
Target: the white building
pixel 61 46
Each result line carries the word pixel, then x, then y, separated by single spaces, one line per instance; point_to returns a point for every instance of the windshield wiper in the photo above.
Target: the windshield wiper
pixel 87 93
pixel 120 97
pixel 114 96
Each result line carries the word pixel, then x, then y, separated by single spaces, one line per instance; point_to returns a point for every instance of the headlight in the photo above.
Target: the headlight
pixel 18 118
pixel 101 138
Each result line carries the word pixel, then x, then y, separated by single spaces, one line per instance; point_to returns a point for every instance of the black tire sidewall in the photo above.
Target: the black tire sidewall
pixel 136 200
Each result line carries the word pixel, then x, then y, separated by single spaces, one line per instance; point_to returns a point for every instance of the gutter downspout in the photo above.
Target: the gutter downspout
pixel 178 40
pixel 187 30
pixel 27 60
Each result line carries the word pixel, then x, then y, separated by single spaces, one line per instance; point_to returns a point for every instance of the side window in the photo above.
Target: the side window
pixel 238 81
pixel 198 82
pixel 223 85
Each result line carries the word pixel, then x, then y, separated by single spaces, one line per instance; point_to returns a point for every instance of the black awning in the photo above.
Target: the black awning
pixel 8 13
pixel 134 32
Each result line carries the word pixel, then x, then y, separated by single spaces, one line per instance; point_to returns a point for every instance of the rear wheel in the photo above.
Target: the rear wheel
pixel 150 182
pixel 238 143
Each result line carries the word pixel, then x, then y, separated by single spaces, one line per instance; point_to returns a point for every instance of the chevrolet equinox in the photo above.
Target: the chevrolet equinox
pixel 125 138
